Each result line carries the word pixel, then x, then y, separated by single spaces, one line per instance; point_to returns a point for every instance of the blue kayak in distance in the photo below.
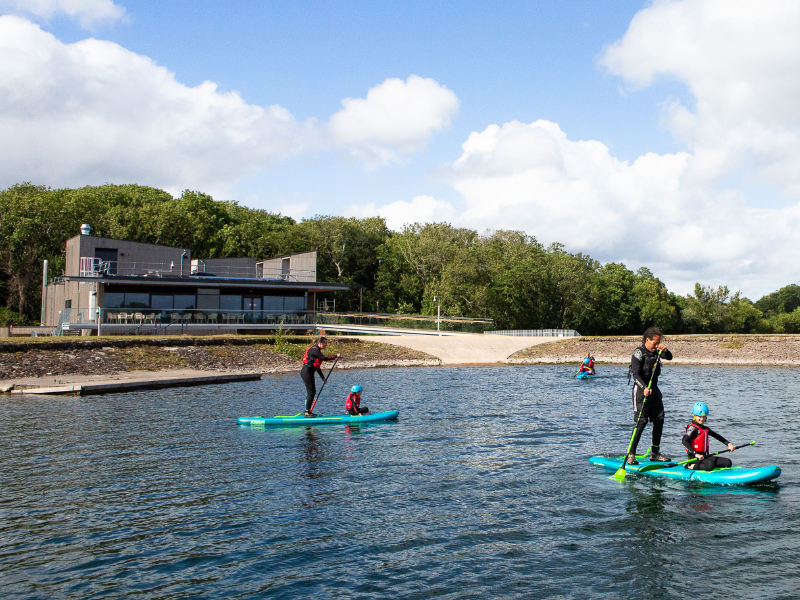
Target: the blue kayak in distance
pixel 724 476
pixel 585 375
pixel 299 419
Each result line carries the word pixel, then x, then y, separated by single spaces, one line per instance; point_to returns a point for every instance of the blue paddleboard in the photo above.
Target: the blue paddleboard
pixel 299 419
pixel 725 476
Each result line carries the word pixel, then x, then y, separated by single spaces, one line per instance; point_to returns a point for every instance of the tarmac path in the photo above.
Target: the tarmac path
pixel 463 349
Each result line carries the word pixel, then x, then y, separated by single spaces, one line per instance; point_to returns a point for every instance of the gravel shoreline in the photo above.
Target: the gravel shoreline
pixel 32 366
pixel 754 350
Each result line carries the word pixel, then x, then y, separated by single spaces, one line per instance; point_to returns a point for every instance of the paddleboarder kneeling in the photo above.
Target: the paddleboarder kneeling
pixel 645 368
pixel 312 361
pixel 353 403
pixel 695 440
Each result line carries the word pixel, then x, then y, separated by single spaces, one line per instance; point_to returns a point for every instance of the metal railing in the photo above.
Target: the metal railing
pixel 536 332
pixel 396 321
pixel 96 267
pixel 145 316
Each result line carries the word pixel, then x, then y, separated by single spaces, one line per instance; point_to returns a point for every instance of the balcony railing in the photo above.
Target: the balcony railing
pixel 144 316
pixel 397 321
pixel 96 267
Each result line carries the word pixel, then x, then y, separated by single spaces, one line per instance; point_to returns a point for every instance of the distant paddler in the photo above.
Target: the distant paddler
pixel 645 368
pixel 588 364
pixel 312 361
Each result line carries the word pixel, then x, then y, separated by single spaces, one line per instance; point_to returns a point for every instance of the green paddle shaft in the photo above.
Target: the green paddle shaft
pixel 323 385
pixel 670 465
pixel 620 474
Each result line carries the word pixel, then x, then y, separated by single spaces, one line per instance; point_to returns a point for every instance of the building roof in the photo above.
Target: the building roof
pixel 212 282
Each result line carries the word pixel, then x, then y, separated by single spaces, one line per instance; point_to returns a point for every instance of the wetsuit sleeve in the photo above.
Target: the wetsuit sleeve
pixel 666 354
pixel 718 437
pixel 636 367
pixel 691 433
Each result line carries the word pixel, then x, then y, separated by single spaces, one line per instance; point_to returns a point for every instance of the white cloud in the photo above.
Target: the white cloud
pixel 86 12
pixel 740 59
pixel 93 112
pixel 421 209
pixel 397 117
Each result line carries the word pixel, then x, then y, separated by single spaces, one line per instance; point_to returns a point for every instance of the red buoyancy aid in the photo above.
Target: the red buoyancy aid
pixel 353 401
pixel 699 443
pixel 317 362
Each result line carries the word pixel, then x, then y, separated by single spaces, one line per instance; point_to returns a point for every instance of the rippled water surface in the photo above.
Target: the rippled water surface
pixel 482 489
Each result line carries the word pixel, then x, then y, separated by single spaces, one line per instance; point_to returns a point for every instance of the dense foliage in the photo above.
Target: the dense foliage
pixel 504 275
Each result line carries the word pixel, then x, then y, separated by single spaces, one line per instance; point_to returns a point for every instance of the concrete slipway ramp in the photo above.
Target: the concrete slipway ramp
pixel 463 349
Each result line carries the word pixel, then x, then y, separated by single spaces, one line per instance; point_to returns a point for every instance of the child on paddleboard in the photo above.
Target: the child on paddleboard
pixel 353 403
pixel 695 440
pixel 588 364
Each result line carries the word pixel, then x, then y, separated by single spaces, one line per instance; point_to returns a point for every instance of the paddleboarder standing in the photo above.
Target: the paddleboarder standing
pixel 312 361
pixel 645 365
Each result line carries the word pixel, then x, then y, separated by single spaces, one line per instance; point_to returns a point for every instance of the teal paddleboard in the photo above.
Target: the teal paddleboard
pixel 299 419
pixel 585 375
pixel 727 476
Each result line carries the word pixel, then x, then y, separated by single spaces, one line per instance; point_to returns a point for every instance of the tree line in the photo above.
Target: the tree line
pixel 507 276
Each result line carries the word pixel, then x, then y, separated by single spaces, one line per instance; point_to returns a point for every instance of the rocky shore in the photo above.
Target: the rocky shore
pixel 766 350
pixel 59 362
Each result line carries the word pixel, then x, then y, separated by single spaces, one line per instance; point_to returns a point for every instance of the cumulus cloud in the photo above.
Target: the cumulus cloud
pixel 86 12
pixel 740 59
pixel 421 209
pixel 397 117
pixel 93 112
pixel 674 213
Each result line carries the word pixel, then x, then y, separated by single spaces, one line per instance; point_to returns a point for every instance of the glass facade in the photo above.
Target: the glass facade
pixel 202 301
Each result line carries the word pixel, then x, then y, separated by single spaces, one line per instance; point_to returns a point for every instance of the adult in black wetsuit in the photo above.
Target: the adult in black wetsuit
pixel 644 364
pixel 312 360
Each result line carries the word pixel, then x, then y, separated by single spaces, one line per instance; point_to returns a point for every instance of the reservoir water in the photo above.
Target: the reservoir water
pixel 482 489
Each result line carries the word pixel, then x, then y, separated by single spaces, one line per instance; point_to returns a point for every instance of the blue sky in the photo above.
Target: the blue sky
pixel 653 134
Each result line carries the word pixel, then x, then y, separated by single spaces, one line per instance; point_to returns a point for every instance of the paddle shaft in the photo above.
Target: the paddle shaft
pixel 323 385
pixel 636 424
pixel 669 466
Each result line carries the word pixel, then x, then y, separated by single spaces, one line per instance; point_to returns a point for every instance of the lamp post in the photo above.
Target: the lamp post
pixel 438 312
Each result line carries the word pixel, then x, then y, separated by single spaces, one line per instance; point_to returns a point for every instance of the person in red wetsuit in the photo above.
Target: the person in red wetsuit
pixel 353 403
pixel 312 361
pixel 588 364
pixel 695 440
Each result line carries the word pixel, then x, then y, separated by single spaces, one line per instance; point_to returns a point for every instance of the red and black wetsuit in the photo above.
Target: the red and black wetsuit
pixel 312 360
pixel 695 440
pixel 353 405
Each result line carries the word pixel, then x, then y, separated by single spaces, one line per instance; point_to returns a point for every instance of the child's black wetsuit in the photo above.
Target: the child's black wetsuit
pixel 690 442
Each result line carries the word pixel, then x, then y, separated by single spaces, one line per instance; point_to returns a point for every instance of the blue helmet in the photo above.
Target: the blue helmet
pixel 700 409
pixel 357 388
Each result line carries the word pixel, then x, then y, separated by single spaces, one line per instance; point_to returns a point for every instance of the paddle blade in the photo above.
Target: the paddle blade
pixel 620 474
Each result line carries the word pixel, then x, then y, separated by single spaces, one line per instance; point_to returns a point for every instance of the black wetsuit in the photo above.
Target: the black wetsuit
pixel 642 364
pixel 709 463
pixel 313 357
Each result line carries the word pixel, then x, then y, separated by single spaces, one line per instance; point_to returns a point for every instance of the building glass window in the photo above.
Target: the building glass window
pixel 206 302
pixel 230 302
pixel 273 302
pixel 137 300
pixel 184 301
pixel 161 302
pixel 113 300
pixel 294 303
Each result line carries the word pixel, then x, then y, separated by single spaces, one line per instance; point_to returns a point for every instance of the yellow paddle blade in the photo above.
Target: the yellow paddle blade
pixel 620 474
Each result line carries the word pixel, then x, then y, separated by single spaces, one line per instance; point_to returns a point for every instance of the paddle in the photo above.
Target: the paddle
pixel 669 465
pixel 620 474
pixel 323 385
